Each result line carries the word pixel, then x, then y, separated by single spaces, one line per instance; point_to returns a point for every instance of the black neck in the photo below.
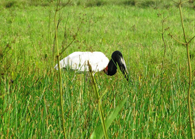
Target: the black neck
pixel 112 65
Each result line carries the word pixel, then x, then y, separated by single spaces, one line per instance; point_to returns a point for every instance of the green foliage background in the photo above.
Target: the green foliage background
pixel 156 105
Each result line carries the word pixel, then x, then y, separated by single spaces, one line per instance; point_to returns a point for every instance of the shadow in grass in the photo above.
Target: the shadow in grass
pixel 96 3
pixel 129 2
pixel 143 4
pixel 147 4
pixel 21 4
pixel 10 4
pixel 40 4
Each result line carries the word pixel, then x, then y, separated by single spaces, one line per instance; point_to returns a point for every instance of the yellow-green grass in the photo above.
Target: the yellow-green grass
pixel 29 98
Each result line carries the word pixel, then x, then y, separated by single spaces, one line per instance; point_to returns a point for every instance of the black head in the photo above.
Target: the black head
pixel 117 58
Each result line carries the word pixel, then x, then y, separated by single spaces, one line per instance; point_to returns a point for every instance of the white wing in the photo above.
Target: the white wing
pixel 79 61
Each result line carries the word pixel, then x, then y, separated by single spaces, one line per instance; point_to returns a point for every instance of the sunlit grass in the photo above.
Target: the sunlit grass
pixel 29 98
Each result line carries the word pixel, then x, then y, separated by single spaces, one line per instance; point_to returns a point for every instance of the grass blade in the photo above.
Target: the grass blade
pixel 99 102
pixel 98 132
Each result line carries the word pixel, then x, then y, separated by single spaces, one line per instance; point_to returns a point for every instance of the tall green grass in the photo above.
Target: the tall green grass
pixel 157 103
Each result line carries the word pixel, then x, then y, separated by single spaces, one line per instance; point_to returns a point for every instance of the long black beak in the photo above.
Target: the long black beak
pixel 123 68
pixel 125 72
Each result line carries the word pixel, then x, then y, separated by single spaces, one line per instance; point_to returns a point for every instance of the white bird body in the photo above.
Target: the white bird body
pixel 78 61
